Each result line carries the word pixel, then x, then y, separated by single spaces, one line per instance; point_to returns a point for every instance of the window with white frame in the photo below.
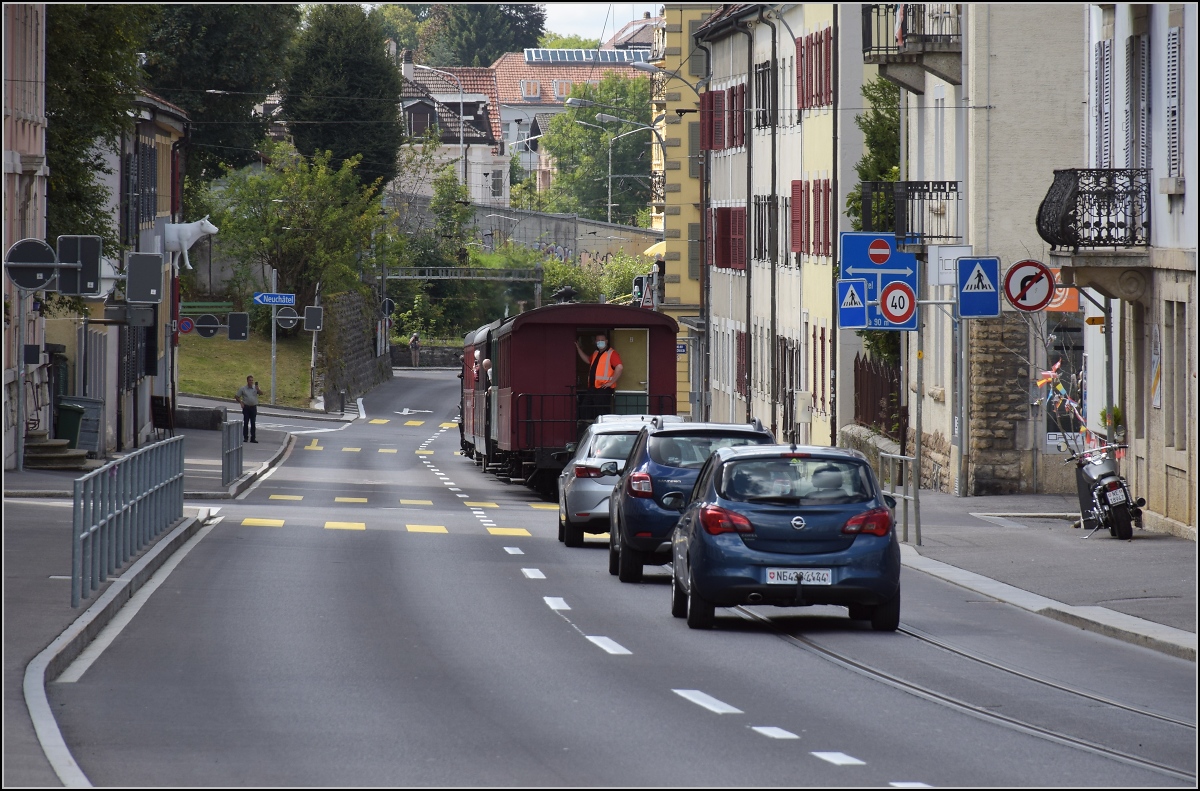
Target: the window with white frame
pixel 562 89
pixel 531 89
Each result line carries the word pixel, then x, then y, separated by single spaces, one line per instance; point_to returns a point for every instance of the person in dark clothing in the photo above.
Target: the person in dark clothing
pixel 248 398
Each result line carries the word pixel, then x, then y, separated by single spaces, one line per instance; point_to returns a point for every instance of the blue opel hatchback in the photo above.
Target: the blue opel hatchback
pixel 666 457
pixel 789 526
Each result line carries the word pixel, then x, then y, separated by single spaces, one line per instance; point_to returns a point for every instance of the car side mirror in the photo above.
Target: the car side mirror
pixel 891 501
pixel 572 447
pixel 674 501
pixel 608 468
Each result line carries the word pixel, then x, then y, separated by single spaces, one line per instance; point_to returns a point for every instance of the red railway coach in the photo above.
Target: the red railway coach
pixel 520 423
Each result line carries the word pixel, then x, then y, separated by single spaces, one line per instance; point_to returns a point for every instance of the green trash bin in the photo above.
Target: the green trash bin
pixel 70 418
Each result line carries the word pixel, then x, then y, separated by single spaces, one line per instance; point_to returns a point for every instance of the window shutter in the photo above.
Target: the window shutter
pixel 731 117
pixel 693 247
pixel 811 73
pixel 697 57
pixel 828 217
pixel 830 71
pixel 694 149
pixel 724 237
pixel 718 120
pixel 812 375
pixel 742 110
pixel 709 238
pixel 800 63
pixel 805 219
pixel 1174 118
pixel 706 121
pixel 1104 104
pixel 737 247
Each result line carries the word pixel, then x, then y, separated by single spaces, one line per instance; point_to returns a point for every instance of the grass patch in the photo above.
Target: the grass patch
pixel 218 366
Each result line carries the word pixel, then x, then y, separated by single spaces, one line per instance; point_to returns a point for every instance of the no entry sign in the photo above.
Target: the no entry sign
pixel 1029 286
pixel 879 251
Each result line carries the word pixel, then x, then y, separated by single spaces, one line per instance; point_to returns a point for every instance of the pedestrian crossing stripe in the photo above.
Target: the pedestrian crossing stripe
pixel 416 502
pixel 345 525
pixel 427 529
pixel 380 420
pixel 852 300
pixel 287 497
pixel 387 450
pixel 349 499
pixel 448 425
pixel 414 422
pixel 978 282
pixel 544 506
pixel 253 522
pixel 508 531
pixel 481 505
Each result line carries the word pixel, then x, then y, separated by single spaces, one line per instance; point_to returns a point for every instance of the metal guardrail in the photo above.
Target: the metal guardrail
pixel 121 507
pixel 1096 207
pixel 904 463
pixel 231 452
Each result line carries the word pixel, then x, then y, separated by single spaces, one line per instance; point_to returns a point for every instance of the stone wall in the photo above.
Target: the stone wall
pixel 870 444
pixel 347 347
pixel 999 384
pixel 936 473
pixel 431 356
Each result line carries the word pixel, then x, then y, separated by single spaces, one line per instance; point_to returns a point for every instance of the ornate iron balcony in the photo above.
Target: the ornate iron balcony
pixel 658 85
pixel 658 187
pixel 891 30
pixel 918 212
pixel 1096 208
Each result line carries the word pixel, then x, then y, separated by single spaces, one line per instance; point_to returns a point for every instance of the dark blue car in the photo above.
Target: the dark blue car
pixel 789 526
pixel 666 457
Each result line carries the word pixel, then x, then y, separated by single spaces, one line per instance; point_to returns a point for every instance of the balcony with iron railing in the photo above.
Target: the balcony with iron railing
pixel 658 188
pixel 658 86
pixel 920 213
pixel 909 40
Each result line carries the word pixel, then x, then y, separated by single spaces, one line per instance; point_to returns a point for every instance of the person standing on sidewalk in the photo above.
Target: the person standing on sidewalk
pixel 414 346
pixel 248 397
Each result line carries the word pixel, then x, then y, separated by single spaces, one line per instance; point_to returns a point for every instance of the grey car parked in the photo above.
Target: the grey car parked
pixel 587 480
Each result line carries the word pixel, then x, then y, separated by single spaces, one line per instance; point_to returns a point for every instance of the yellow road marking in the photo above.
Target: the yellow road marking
pixel 448 425
pixel 314 446
pixel 458 453
pixel 480 505
pixel 287 497
pixel 416 502
pixel 351 450
pixel 544 506
pixel 508 531
pixel 253 522
pixel 424 453
pixel 349 499
pixel 426 529
pixel 387 450
pixel 414 422
pixel 345 525
pixel 380 420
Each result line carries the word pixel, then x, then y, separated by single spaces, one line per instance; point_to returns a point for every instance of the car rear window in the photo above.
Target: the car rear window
pixel 612 446
pixel 692 450
pixel 796 480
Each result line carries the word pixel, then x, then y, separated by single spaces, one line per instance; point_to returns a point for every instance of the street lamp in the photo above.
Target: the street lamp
pixel 461 111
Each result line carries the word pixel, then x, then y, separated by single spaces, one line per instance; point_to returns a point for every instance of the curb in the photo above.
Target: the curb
pixel 68 645
pixel 1127 628
pixel 278 411
pixel 242 483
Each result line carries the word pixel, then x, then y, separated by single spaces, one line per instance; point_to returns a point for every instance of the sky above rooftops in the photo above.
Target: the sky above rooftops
pixel 594 20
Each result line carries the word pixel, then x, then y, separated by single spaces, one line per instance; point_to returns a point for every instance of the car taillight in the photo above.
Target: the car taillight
pixel 717 520
pixel 588 472
pixel 640 486
pixel 876 522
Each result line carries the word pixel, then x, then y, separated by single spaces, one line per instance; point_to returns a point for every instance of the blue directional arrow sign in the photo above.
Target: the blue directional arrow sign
pixel 873 257
pixel 267 298
pixel 978 288
pixel 852 304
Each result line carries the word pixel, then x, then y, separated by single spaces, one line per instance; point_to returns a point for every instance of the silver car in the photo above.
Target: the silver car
pixel 586 482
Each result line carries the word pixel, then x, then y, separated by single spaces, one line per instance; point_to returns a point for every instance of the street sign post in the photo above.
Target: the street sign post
pixel 268 298
pixel 287 318
pixel 313 318
pixel 1029 286
pixel 31 264
pixel 852 304
pixel 84 253
pixel 207 325
pixel 873 257
pixel 979 288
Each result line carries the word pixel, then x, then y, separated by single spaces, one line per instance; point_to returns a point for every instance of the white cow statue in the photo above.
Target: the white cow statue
pixel 180 236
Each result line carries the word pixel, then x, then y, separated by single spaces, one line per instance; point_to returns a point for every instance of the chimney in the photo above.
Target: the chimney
pixel 645 15
pixel 406 64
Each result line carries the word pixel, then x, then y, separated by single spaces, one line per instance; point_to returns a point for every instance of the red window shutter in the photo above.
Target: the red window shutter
pixel 800 73
pixel 830 71
pixel 822 216
pixel 737 248
pixel 797 207
pixel 823 369
pixel 810 71
pixel 718 120
pixel 721 241
pixel 709 242
pixel 742 114
pixel 807 218
pixel 706 121
pixel 829 215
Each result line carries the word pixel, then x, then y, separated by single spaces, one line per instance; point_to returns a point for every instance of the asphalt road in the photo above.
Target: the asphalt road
pixel 378 611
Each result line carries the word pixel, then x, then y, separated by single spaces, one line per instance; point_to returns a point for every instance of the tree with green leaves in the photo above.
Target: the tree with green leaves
pixel 92 77
pixel 551 40
pixel 217 62
pixel 451 207
pixel 581 152
pixel 343 92
pixel 400 23
pixel 476 34
pixel 309 219
pixel 880 125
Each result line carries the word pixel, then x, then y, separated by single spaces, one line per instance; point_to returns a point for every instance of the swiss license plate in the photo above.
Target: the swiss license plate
pixel 802 576
pixel 1116 496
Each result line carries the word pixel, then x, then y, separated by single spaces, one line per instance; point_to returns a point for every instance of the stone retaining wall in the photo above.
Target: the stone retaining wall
pixel 431 356
pixel 347 346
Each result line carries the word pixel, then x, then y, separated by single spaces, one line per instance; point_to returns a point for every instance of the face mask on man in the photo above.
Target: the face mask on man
pixel 601 345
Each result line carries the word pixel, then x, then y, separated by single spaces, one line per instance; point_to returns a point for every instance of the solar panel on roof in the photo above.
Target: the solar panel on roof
pixel 533 55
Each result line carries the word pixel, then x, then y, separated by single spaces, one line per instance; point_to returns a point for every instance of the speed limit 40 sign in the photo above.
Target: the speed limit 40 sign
pixel 898 303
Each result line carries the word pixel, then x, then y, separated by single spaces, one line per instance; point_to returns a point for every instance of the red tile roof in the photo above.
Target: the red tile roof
pixel 636 34
pixel 511 68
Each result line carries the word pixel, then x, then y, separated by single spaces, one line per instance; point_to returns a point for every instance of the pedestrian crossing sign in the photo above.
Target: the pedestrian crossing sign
pixel 852 304
pixel 978 288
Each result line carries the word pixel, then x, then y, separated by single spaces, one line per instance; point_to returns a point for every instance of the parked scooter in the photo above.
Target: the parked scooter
pixel 1104 499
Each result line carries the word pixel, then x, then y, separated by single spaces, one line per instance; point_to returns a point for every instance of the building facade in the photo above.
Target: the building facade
pixel 1117 216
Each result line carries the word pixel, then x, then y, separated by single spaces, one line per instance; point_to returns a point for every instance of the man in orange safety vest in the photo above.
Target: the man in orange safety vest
pixel 604 371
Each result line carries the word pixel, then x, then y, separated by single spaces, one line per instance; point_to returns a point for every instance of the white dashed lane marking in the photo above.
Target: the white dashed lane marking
pixel 773 732
pixel 707 701
pixel 609 645
pixel 556 603
pixel 840 759
pixel 533 574
pixel 509 550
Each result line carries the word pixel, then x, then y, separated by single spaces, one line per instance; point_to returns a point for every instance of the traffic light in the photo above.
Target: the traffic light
pixel 313 318
pixel 85 251
pixel 639 287
pixel 144 277
pixel 239 326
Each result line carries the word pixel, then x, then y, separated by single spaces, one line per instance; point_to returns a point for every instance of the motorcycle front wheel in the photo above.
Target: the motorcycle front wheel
pixel 1121 524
